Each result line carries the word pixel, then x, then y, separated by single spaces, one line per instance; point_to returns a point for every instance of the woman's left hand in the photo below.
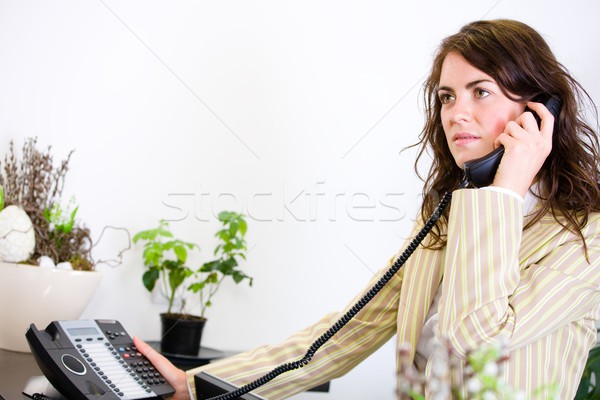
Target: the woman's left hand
pixel 176 377
pixel 526 147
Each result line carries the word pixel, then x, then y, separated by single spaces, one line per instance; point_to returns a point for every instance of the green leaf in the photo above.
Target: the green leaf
pixel 163 233
pixel 415 395
pixel 212 278
pixel 584 387
pixel 223 235
pixel 172 265
pixel 243 226
pixel 226 267
pixel 47 214
pixel 152 234
pixel 150 277
pixel 238 277
pixel 177 276
pixel 233 228
pixel 1 198
pixel 240 244
pixel 196 287
pixel 180 252
pixel 231 262
pixel 210 266
pixel 151 256
pixel 592 368
pixel 225 216
pixel 228 247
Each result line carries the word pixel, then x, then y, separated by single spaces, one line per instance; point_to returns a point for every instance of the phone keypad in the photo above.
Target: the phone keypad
pixel 122 367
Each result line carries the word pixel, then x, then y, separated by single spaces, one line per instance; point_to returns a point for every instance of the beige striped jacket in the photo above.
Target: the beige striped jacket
pixel 535 288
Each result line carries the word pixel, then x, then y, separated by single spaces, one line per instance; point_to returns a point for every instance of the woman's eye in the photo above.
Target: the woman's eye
pixel 481 93
pixel 445 98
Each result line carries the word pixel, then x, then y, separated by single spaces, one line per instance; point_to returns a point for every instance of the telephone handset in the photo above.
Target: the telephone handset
pixel 94 359
pixel 481 171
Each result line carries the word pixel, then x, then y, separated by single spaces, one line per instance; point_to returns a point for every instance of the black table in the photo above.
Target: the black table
pixel 185 362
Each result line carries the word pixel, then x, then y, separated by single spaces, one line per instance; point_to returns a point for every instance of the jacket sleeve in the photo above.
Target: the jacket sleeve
pixel 365 333
pixel 498 286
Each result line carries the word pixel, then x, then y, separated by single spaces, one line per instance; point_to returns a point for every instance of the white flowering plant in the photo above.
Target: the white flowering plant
pixel 481 375
pixel 31 217
pixel 61 220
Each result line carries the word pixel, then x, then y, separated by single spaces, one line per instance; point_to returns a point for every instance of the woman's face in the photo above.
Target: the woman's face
pixel 474 109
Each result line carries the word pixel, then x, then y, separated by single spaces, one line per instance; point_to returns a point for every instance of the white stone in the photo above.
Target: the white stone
pixel 66 265
pixel 46 262
pixel 17 236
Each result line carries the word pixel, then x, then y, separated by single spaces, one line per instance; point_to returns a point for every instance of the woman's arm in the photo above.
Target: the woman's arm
pixel 502 283
pixel 359 338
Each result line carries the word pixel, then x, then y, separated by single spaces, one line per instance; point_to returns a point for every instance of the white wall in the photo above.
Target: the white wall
pixel 292 112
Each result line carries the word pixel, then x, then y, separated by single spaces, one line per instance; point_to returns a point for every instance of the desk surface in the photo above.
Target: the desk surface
pixel 15 370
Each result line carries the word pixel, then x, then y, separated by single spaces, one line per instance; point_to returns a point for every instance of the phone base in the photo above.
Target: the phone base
pixel 208 386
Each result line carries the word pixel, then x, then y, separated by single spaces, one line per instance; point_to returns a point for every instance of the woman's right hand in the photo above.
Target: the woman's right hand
pixel 527 146
pixel 175 376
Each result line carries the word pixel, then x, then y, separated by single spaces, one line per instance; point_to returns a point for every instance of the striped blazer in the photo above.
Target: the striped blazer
pixel 534 288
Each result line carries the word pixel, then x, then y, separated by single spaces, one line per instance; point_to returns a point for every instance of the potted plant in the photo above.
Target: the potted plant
pixel 34 185
pixel 165 259
pixel 231 247
pixel 34 227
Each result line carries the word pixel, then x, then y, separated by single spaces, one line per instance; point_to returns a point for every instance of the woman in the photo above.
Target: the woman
pixel 518 261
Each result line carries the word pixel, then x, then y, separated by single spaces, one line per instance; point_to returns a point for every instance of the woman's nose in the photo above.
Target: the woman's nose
pixel 461 111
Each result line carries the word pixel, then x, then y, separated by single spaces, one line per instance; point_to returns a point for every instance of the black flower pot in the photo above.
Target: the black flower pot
pixel 181 334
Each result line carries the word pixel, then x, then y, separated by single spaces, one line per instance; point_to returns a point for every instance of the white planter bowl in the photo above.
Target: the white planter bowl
pixel 29 294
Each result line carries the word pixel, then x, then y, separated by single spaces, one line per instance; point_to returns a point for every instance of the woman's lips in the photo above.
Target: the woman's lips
pixel 461 139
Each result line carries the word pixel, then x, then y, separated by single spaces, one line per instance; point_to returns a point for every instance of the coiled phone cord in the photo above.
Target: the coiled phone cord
pixel 355 309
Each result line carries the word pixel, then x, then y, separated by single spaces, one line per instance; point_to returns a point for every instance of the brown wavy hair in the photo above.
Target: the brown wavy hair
pixel 523 66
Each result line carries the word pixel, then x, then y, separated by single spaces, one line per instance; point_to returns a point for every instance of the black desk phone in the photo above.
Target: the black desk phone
pixel 94 359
